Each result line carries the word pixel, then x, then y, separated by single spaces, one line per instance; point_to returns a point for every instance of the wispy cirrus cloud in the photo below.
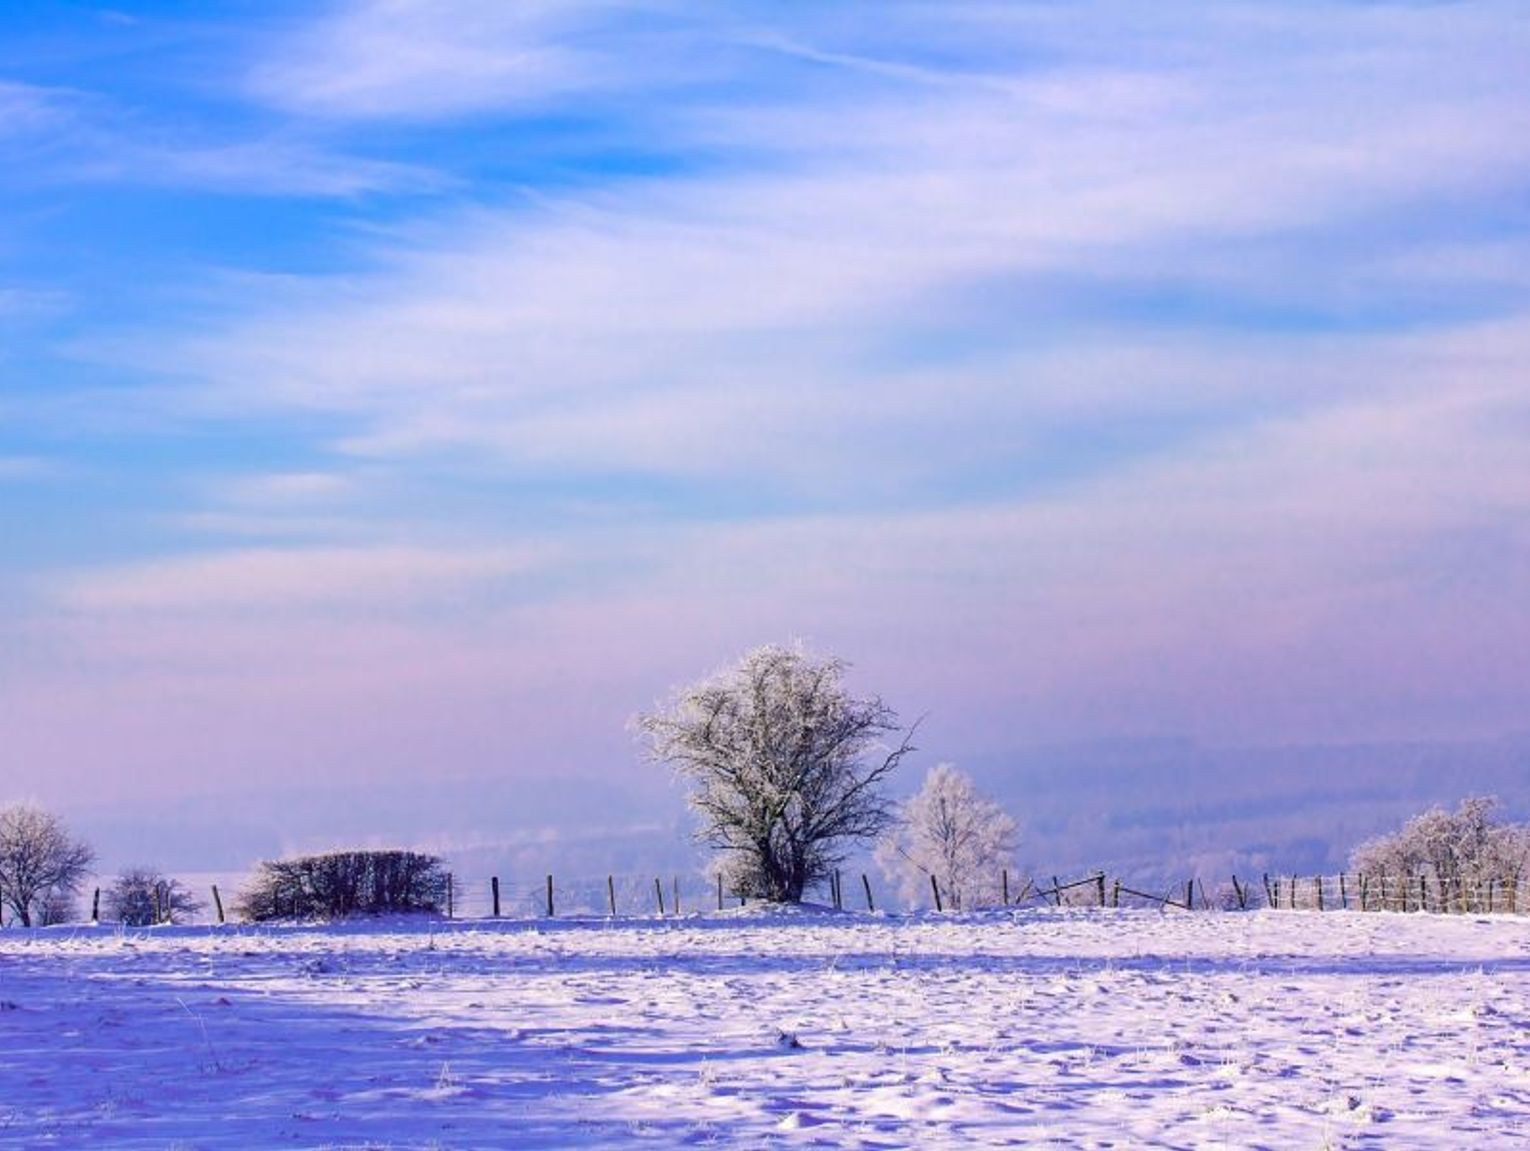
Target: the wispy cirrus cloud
pixel 286 488
pixel 398 59
pixel 332 579
pixel 29 108
pixel 613 327
pixel 52 135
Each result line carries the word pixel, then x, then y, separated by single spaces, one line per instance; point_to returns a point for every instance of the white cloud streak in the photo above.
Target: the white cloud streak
pixel 296 580
pixel 394 59
pixel 51 136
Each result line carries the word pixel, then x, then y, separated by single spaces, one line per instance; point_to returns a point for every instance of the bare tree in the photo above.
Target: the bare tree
pixel 1461 850
pixel 143 896
pixel 786 767
pixel 41 865
pixel 951 831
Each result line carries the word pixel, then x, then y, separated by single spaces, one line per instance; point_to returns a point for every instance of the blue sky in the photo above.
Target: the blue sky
pixel 389 387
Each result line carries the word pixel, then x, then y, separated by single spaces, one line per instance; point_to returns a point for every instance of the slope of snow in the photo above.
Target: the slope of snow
pixel 1079 1028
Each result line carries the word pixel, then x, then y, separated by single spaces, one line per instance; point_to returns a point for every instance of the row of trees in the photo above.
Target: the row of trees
pixel 787 769
pixel 43 867
pixel 1460 851
pixel 787 772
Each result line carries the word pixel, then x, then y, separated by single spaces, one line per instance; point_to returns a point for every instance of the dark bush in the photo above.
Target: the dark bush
pixel 341 883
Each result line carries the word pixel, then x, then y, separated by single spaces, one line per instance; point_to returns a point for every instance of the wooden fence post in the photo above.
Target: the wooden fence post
pixel 1239 895
pixel 935 887
pixel 1004 884
pixel 218 902
pixel 159 916
pixel 1343 893
pixel 1317 886
pixel 1423 894
pixel 1269 896
pixel 866 883
pixel 449 896
pixel 494 892
pixel 1115 894
pixel 676 882
pixel 658 889
pixel 95 907
pixel 1100 882
pixel 549 897
pixel 611 893
pixel 1189 895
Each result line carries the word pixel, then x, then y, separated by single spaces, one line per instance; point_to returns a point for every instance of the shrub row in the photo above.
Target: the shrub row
pixel 340 883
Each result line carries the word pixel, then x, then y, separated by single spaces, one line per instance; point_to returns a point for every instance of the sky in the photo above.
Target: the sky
pixel 397 397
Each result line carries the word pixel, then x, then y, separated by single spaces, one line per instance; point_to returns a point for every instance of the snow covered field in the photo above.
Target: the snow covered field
pixel 1041 1028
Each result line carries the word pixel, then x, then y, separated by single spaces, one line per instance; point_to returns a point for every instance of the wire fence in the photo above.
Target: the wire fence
pixel 488 897
pixel 472 896
pixel 1344 891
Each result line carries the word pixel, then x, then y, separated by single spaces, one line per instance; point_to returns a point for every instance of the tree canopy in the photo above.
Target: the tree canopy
pixel 786 766
pixel 41 864
pixel 953 833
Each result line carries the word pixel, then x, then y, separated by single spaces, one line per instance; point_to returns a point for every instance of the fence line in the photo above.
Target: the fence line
pixel 670 895
pixel 474 897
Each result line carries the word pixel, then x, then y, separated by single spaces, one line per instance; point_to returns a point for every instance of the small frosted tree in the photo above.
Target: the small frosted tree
pixel 1462 851
pixel 951 831
pixel 786 767
pixel 143 896
pixel 41 865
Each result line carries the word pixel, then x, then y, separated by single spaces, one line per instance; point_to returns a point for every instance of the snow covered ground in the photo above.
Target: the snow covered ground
pixel 1077 1028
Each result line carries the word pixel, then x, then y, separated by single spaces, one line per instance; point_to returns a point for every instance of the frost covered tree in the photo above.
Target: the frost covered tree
pixel 1461 850
pixel 41 864
pixel 953 832
pixel 143 896
pixel 786 767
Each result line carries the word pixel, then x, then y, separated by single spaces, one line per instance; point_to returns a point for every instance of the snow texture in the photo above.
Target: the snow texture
pixel 1069 1028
